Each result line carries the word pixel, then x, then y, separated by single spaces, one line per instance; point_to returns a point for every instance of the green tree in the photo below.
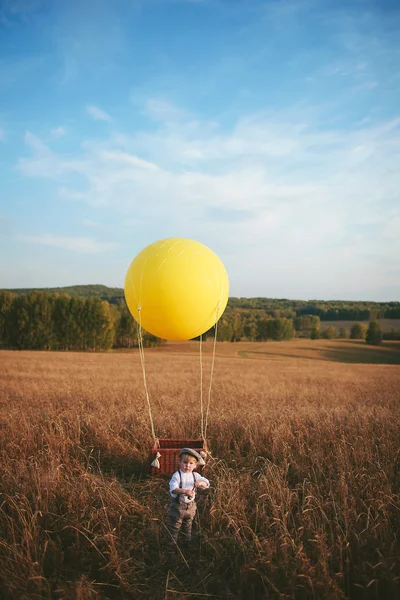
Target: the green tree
pixel 41 320
pixel 315 333
pixel 305 323
pixel 282 329
pixel 28 324
pixel 105 325
pixel 263 329
pixel 125 330
pixel 77 337
pixel 358 331
pixel 225 330
pixel 373 314
pixel 61 322
pixel 343 332
pixel 374 334
pixel 17 330
pixel 6 300
pixel 238 330
pixel 98 330
pixel 329 333
pixel 250 329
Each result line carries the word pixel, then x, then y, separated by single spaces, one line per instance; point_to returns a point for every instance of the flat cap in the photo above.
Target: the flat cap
pixel 193 453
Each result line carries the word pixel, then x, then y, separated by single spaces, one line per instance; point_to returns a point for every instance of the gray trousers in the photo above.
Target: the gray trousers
pixel 180 518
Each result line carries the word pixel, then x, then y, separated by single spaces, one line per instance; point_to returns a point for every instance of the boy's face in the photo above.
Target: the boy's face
pixel 188 464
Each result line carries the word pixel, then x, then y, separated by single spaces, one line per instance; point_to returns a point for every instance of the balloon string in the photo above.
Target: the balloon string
pixel 211 373
pixel 141 352
pixel 201 387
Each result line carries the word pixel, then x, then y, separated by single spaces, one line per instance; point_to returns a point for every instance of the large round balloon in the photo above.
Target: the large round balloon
pixel 176 288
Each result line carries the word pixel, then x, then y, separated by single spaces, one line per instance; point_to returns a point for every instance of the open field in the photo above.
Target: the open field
pixel 305 496
pixel 385 324
pixel 342 351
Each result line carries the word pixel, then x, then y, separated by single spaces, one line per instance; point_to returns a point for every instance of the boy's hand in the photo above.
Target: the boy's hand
pixel 189 493
pixel 200 484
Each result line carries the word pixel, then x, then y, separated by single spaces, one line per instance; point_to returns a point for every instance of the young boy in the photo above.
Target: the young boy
pixel 182 488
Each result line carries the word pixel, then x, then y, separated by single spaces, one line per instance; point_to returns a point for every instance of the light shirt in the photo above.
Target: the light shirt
pixel 188 482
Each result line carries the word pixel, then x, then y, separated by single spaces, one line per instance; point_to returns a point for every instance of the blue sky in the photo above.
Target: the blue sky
pixel 269 131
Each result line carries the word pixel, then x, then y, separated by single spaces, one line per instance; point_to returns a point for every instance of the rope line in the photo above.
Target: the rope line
pixel 201 389
pixel 211 373
pixel 203 417
pixel 142 360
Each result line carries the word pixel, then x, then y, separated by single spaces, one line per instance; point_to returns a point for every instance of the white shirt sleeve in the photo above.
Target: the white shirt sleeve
pixel 174 483
pixel 200 478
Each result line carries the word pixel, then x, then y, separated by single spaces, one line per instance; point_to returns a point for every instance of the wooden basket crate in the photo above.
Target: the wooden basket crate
pixel 169 450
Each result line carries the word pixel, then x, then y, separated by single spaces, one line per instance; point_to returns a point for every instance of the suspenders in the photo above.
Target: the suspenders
pixel 180 483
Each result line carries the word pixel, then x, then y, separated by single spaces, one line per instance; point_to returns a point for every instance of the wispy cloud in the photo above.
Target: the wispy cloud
pixel 57 132
pixel 75 244
pixel 97 113
pixel 279 182
pixel 367 43
pixel 121 158
pixel 161 109
pixel 45 162
pixel 209 144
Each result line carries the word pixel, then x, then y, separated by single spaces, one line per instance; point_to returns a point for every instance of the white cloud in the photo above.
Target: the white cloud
pixel 76 244
pixel 122 157
pixel 45 162
pixel 98 114
pixel 58 132
pixel 276 188
pixel 161 109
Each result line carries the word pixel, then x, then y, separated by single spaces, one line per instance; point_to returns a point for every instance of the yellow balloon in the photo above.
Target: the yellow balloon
pixel 176 288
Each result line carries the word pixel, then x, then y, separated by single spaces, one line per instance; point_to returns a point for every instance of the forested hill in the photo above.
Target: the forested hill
pixel 112 295
pixel 327 310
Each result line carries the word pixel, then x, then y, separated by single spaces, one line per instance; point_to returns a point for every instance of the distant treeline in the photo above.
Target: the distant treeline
pixel 329 310
pixel 41 320
pixel 326 310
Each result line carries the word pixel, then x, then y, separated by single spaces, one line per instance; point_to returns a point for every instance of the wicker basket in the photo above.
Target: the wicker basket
pixel 169 450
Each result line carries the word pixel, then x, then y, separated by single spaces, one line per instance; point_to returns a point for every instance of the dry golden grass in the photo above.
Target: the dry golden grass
pixel 384 324
pixel 305 473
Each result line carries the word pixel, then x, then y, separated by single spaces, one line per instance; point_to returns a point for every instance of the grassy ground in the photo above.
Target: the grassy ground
pixel 385 324
pixel 342 351
pixel 305 492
